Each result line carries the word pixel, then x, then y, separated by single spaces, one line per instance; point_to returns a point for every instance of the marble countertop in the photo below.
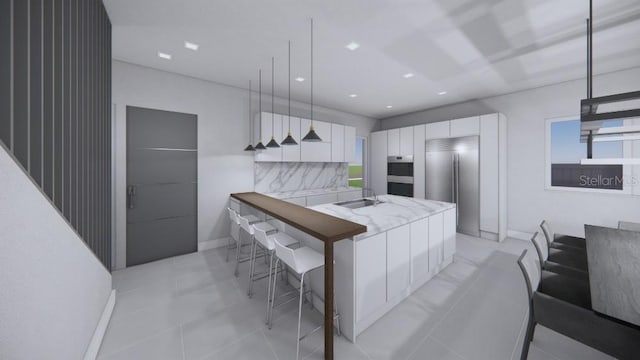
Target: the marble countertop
pixel 393 212
pixel 301 193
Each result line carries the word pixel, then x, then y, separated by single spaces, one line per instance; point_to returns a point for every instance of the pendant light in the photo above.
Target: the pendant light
pixel 272 143
pixel 250 147
pixel 311 136
pixel 260 146
pixel 289 140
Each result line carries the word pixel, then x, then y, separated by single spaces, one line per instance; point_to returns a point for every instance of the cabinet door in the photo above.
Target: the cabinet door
pixel 418 161
pixel 322 199
pixel 406 141
pixel 349 195
pixel 270 125
pixel 438 130
pixel 378 162
pixel 489 172
pixel 291 152
pixel 316 151
pixel 449 230
pixel 398 260
pixel 337 143
pixel 349 144
pixel 419 249
pixel 393 145
pixel 371 284
pixel 436 240
pixel 465 127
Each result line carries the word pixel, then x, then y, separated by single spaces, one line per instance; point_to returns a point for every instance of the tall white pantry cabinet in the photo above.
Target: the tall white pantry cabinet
pixel 492 130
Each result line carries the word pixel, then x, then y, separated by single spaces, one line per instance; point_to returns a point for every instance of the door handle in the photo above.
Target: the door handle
pixel 131 194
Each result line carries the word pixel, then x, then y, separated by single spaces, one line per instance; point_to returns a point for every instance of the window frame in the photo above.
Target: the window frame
pixel 627 189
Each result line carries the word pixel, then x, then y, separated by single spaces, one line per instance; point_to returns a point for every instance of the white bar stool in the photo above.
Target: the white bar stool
pixel 267 242
pixel 301 260
pixel 244 223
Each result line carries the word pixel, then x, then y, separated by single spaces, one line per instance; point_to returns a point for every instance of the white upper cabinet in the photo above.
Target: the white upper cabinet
pixel 316 151
pixel 465 127
pixel 268 127
pixel 393 142
pixel 378 162
pixel 438 130
pixel 337 143
pixel 406 141
pixel 349 144
pixel 418 161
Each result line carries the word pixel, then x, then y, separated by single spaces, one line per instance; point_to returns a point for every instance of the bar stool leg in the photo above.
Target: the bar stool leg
pixel 273 293
pixel 228 247
pixel 252 264
pixel 237 254
pixel 299 315
pixel 269 286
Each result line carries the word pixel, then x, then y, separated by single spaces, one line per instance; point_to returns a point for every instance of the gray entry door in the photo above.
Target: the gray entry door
pixel 161 184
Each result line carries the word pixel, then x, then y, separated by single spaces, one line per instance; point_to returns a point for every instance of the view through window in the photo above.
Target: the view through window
pixel 356 169
pixel 566 151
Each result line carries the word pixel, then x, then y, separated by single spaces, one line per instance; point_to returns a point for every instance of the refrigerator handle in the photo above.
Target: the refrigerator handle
pixel 457 186
pixel 453 178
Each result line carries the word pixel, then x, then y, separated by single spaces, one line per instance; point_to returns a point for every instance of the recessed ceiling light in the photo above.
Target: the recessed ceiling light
pixel 352 46
pixel 299 79
pixel 389 106
pixel 191 46
pixel 442 93
pixel 353 95
pixel 408 75
pixel 164 55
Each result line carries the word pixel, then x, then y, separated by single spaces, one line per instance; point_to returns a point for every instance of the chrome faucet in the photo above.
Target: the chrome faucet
pixel 371 191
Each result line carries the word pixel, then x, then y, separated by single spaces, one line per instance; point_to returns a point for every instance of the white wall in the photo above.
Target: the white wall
pixel 53 290
pixel 223 132
pixel 526 111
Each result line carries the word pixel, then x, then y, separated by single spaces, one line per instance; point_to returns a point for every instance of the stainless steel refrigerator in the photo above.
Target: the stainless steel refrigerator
pixel 452 174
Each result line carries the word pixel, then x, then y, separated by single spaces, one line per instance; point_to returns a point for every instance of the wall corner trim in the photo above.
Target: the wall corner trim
pixel 98 334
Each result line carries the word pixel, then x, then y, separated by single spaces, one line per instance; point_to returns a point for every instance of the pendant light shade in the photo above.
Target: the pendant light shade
pixel 272 143
pixel 250 147
pixel 289 140
pixel 311 136
pixel 259 145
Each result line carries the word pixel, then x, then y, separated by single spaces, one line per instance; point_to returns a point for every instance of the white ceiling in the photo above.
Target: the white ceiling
pixel 469 48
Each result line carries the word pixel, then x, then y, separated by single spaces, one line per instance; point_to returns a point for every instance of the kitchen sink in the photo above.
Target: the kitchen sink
pixel 359 203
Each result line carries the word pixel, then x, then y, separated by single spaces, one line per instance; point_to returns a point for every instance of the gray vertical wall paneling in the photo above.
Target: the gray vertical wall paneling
pixel 47 97
pixel 73 139
pixel 35 91
pixel 5 71
pixel 21 82
pixel 109 133
pixel 57 104
pixel 66 144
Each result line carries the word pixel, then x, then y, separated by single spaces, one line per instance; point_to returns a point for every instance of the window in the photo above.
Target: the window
pixel 564 152
pixel 356 169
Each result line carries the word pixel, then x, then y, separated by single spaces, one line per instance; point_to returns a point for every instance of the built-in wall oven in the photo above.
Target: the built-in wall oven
pixel 400 175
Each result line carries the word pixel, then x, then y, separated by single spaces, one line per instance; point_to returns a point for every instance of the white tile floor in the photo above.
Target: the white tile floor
pixel 192 307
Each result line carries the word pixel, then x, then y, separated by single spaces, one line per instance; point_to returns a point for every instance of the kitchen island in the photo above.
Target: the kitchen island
pixel 407 242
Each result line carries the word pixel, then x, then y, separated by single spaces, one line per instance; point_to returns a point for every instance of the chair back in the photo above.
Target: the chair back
pixel 261 237
pixel 541 248
pixel 530 271
pixel 286 254
pixel 546 229
pixel 233 216
pixel 628 225
pixel 244 223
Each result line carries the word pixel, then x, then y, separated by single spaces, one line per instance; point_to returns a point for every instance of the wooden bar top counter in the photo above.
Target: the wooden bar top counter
pixel 326 228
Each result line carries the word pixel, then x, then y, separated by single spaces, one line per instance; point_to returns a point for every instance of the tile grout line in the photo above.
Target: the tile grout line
pixel 446 313
pixel 135 343
pixel 269 344
pixel 227 345
pixel 184 356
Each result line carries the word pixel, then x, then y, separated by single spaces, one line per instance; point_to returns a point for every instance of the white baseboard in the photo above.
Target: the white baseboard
pixel 98 334
pixel 519 235
pixel 212 244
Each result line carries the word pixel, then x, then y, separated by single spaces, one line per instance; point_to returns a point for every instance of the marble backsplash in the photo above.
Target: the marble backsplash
pixel 295 176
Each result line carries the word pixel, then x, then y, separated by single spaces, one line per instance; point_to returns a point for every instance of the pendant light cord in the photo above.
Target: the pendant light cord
pixel 250 108
pixel 311 72
pixel 272 94
pixel 289 87
pixel 260 101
